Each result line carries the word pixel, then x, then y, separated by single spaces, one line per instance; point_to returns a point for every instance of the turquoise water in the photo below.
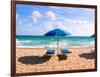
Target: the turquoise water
pixel 51 42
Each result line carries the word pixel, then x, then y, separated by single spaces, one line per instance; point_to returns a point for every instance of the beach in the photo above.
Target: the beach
pixel 30 60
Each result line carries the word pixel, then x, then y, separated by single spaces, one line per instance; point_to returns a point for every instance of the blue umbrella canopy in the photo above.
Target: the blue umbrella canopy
pixel 57 32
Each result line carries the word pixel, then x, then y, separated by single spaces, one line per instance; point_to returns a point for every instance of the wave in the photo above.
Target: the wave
pixel 41 46
pixel 25 41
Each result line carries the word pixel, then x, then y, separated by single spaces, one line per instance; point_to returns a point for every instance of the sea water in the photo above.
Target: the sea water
pixel 54 41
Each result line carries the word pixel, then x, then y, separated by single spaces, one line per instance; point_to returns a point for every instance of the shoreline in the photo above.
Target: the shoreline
pixel 53 47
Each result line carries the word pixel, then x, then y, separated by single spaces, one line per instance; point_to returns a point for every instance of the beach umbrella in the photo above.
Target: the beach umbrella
pixel 57 33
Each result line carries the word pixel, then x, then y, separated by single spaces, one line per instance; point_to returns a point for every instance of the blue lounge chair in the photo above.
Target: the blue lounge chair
pixel 65 51
pixel 50 52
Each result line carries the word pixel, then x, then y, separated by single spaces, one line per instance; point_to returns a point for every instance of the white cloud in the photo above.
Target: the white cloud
pixel 35 15
pixel 51 15
pixel 19 22
pixel 48 26
pixel 79 27
pixel 87 9
pixel 55 7
pixel 17 16
pixel 75 21
pixel 29 25
pixel 79 9
pixel 76 27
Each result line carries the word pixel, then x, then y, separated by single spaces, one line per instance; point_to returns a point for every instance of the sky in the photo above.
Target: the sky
pixel 38 20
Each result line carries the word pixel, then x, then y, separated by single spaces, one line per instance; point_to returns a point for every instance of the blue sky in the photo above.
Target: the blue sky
pixel 37 20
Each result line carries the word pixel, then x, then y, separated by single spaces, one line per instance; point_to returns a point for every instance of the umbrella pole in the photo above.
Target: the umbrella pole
pixel 57 44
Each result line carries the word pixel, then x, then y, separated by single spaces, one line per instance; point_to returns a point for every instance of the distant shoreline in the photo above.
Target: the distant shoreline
pixel 53 48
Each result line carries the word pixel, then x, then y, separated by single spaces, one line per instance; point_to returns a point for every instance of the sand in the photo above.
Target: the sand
pixel 30 60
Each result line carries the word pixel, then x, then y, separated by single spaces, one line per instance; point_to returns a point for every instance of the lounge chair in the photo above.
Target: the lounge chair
pixel 50 52
pixel 65 51
pixel 61 55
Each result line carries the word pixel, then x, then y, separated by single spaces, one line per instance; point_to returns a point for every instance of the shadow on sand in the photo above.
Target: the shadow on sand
pixel 62 57
pixel 33 59
pixel 88 55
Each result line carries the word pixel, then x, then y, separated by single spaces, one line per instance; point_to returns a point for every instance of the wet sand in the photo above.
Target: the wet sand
pixel 30 60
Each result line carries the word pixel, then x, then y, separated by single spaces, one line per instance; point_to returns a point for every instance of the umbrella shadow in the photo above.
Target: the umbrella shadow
pixel 62 57
pixel 88 55
pixel 33 59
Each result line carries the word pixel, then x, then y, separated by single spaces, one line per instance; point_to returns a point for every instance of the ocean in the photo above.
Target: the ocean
pixel 23 41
